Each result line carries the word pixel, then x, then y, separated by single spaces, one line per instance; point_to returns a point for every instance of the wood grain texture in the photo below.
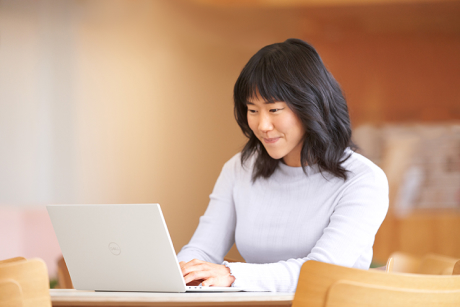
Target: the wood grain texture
pixel 316 278
pixel 10 293
pixel 355 294
pixel 32 276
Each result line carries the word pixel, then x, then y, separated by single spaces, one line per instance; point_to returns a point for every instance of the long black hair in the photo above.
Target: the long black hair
pixel 293 72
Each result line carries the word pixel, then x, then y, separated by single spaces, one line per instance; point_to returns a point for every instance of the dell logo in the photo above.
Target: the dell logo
pixel 114 248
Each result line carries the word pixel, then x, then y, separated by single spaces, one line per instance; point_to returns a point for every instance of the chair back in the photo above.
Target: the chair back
pixel 10 293
pixel 405 263
pixel 437 265
pixel 12 260
pixel 388 268
pixel 355 294
pixel 316 278
pixel 32 277
pixel 456 270
pixel 64 280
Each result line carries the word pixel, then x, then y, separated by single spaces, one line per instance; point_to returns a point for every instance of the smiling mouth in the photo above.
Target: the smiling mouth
pixel 271 140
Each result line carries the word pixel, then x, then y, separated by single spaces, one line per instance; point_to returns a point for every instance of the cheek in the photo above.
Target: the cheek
pixel 252 123
pixel 293 126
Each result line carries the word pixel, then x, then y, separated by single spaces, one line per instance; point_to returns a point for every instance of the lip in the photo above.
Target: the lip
pixel 270 140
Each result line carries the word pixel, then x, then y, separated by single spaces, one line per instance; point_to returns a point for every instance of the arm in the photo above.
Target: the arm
pixel 215 234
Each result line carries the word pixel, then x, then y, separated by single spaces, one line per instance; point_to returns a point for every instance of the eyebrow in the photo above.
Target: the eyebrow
pixel 265 102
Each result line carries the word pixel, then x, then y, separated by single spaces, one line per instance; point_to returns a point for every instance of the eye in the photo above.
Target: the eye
pixel 252 111
pixel 276 110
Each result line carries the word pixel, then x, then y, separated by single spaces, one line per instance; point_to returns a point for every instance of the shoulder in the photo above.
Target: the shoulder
pixel 361 168
pixel 235 167
pixel 366 186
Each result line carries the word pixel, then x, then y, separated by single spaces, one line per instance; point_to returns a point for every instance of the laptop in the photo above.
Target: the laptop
pixel 122 247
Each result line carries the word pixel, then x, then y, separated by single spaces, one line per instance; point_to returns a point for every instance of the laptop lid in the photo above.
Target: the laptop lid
pixel 117 247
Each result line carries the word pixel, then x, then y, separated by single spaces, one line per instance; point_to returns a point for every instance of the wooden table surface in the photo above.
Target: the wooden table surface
pixel 63 297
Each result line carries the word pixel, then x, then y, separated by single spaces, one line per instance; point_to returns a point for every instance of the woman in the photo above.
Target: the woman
pixel 297 191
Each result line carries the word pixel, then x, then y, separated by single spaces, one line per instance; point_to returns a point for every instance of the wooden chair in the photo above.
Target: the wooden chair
pixel 12 260
pixel 10 293
pixel 456 270
pixel 431 264
pixel 388 268
pixel 316 279
pixel 437 265
pixel 32 278
pixel 355 294
pixel 405 263
pixel 64 280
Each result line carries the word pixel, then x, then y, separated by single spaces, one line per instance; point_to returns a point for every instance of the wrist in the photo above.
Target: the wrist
pixel 230 277
pixel 232 280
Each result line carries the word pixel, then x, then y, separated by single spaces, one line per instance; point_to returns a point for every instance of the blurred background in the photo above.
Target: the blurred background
pixel 122 101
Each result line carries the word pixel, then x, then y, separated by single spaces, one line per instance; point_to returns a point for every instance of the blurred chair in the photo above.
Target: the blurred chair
pixel 32 278
pixel 12 260
pixel 317 278
pixel 355 294
pixel 405 263
pixel 437 265
pixel 10 293
pixel 431 264
pixel 456 270
pixel 388 268
pixel 64 280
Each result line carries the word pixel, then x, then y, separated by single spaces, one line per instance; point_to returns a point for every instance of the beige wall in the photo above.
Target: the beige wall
pixel 123 101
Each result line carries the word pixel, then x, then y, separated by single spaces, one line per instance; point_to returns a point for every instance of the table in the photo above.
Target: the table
pixel 78 298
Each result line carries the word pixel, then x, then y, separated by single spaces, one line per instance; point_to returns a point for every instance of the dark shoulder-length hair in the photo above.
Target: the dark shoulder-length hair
pixel 293 72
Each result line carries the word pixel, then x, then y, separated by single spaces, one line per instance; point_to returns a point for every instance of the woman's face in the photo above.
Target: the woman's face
pixel 278 128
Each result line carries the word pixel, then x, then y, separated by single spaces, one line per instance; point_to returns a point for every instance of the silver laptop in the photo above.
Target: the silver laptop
pixel 119 248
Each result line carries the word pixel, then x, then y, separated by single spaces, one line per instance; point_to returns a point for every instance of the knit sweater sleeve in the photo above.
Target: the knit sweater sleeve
pixel 352 228
pixel 215 234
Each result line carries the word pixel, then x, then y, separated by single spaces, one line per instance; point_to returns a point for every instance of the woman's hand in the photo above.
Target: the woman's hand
pixel 206 273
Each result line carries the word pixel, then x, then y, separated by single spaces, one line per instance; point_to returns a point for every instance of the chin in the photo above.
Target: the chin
pixel 275 156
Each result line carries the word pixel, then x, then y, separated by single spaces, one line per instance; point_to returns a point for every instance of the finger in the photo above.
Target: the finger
pixel 208 282
pixel 191 263
pixel 195 261
pixel 184 264
pixel 196 276
pixel 199 267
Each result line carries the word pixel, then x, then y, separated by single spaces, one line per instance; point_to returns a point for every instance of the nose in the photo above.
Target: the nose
pixel 265 123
